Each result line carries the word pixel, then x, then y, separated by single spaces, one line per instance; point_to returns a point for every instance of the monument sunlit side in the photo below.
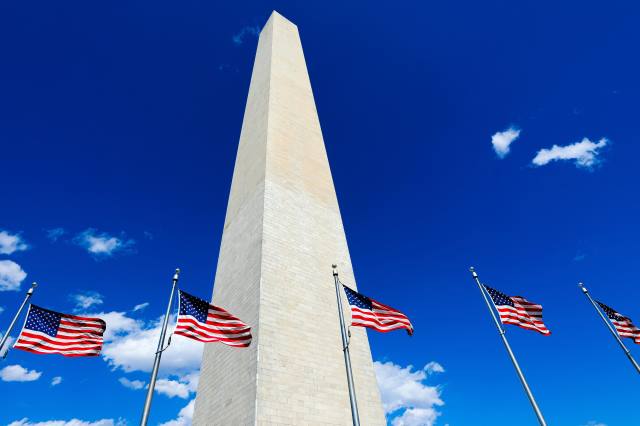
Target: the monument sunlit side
pixel 282 233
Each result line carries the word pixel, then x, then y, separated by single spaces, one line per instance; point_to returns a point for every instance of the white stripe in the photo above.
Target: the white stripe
pixel 56 351
pixel 55 345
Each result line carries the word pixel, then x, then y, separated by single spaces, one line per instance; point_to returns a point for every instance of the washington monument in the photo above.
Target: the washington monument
pixel 282 233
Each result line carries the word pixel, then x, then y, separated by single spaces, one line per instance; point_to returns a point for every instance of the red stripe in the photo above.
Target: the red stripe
pixel 57 341
pixel 193 334
pixel 99 326
pixel 358 313
pixel 191 322
pixel 20 344
pixel 63 354
pixel 206 334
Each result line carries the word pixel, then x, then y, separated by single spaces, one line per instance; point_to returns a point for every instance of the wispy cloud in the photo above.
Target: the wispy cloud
pixel 184 416
pixel 55 233
pixel 56 381
pixel 86 299
pixel 101 244
pixel 10 243
pixel 502 141
pixel 406 396
pixel 140 307
pixel 248 31
pixel 131 384
pixel 1 309
pixel 11 275
pixel 594 423
pixel 17 373
pixel 584 154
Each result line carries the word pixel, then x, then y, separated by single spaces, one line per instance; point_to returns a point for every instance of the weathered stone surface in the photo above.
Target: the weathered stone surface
pixel 282 232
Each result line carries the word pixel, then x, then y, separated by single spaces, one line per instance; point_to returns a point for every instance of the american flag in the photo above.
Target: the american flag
pixel 623 325
pixel 366 312
pixel 50 332
pixel 199 320
pixel 518 311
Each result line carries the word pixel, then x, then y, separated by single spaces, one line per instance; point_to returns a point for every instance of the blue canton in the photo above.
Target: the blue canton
pixel 611 313
pixel 358 300
pixel 498 297
pixel 194 306
pixel 43 320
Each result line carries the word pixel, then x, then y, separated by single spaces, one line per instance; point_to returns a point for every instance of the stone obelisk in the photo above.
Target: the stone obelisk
pixel 281 234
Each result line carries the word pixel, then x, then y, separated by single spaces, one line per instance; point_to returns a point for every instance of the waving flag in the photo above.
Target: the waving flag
pixel 623 325
pixel 50 332
pixel 518 311
pixel 199 320
pixel 366 312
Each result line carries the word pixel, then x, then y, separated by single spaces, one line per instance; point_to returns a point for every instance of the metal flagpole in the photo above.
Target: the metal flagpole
pixel 611 329
pixel 156 362
pixel 15 318
pixel 345 348
pixel 511 355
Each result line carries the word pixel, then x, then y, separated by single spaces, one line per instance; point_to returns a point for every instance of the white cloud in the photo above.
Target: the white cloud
pixel 10 243
pixel 56 381
pixel 72 422
pixel 140 306
pixel 55 233
pixel 17 373
pixel 501 141
pixel 102 244
pixel 130 344
pixel 238 39
pixel 131 384
pixel 433 367
pixel 118 324
pixel 594 423
pixel 416 417
pixel 583 153
pixel 182 388
pixel 184 416
pixel 172 388
pixel 86 300
pixel 405 395
pixel 11 275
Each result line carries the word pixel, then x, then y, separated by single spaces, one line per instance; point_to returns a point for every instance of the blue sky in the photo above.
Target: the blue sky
pixel 119 125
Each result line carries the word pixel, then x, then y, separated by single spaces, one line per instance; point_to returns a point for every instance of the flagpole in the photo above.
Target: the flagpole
pixel 345 349
pixel 15 318
pixel 611 329
pixel 156 362
pixel 525 385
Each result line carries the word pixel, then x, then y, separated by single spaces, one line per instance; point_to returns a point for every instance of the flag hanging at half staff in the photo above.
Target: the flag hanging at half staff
pixel 366 312
pixel 623 325
pixel 518 311
pixel 50 332
pixel 199 320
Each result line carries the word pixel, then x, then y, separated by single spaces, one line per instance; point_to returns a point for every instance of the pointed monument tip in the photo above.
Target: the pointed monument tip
pixel 275 15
